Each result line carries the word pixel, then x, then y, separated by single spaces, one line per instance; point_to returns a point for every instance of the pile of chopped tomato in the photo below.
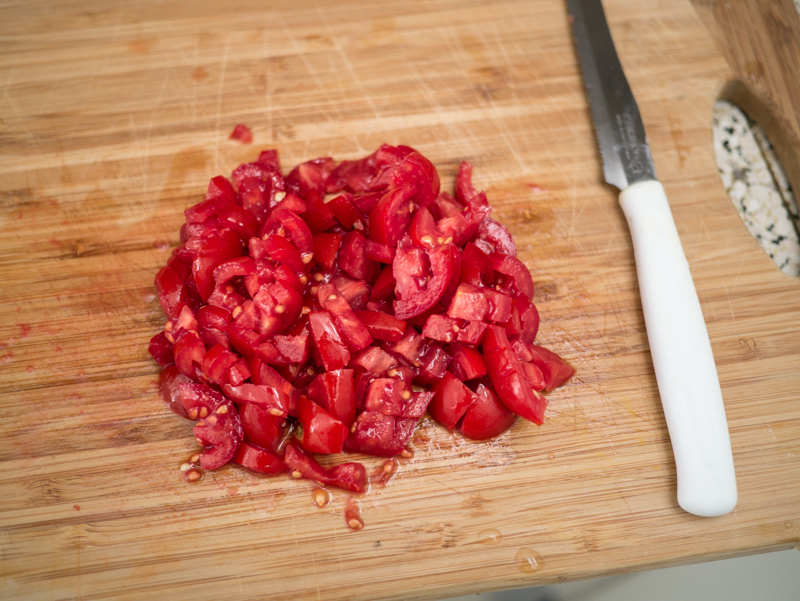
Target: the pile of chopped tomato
pixel 329 309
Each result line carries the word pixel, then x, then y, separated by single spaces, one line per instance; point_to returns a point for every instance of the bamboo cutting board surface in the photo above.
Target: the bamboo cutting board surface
pixel 112 119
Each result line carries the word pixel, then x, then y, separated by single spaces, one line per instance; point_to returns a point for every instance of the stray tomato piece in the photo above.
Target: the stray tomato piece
pixel 349 476
pixel 322 432
pixel 487 417
pixel 451 401
pixel 258 459
pixel 242 133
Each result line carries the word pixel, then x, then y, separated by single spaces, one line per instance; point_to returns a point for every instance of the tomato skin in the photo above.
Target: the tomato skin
pixel 169 286
pixel 389 220
pixel 160 348
pixel 326 247
pixel 451 401
pixel 322 433
pixel 487 417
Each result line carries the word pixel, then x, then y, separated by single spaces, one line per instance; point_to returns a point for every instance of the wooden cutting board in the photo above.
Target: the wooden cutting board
pixel 113 116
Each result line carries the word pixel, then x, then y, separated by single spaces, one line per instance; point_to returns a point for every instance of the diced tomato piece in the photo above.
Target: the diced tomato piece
pixel 383 287
pixel 422 276
pixel 441 327
pixel 467 363
pixel 220 434
pixel 169 286
pixel 353 258
pixel 345 211
pixel 326 247
pixel 287 223
pixel 281 250
pixel 499 306
pixel 258 460
pixel 374 360
pixel 240 266
pixel 169 381
pixel 160 348
pixel 409 346
pixel 389 220
pixel 348 476
pixel 469 302
pixel 322 432
pixel 509 381
pixel 476 266
pixel 387 396
pixel 189 351
pixel 354 332
pixel 451 401
pixel 382 326
pixel 381 253
pixel 216 363
pixel 328 341
pixel 199 400
pixel 493 237
pixel 487 417
pixel 556 371
pixel 310 176
pixel 242 133
pixel 318 215
pixel 271 398
pixel 334 391
pixel 263 374
pixel 260 426
pixel 471 332
pixel 292 203
pixel 518 278
pixel 433 364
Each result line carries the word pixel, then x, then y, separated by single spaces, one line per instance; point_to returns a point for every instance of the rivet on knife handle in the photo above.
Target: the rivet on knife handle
pixel 679 345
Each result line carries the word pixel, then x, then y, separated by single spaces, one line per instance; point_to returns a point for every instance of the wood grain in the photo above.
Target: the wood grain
pixel 114 117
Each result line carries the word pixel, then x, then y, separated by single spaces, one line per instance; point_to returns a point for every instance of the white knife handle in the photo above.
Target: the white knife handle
pixel 684 364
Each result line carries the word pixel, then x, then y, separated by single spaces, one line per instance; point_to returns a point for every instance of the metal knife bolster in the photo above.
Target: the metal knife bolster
pixel 679 344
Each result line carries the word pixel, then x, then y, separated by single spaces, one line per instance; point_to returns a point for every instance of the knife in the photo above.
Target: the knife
pixel 679 345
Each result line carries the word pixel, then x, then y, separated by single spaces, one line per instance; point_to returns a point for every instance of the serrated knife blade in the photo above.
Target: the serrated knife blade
pixel 683 360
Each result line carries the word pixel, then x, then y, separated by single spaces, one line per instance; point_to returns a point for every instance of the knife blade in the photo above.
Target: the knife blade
pixel 683 361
